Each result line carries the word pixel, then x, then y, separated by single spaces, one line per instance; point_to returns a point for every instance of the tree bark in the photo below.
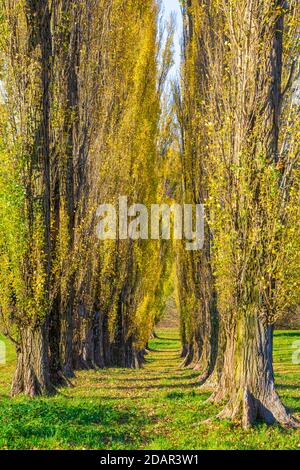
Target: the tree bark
pixel 32 373
pixel 56 373
pixel 247 380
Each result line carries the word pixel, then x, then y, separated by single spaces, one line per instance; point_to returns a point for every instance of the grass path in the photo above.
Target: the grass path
pixel 157 407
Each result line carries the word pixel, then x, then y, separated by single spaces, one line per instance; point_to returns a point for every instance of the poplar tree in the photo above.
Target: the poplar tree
pixel 25 172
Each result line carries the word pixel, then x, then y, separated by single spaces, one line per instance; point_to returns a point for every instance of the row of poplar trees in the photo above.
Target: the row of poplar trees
pixel 239 121
pixel 83 122
pixel 80 112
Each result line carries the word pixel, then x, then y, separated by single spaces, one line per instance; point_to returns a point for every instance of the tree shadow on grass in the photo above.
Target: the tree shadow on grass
pixel 161 377
pixel 287 386
pixel 287 333
pixel 158 386
pixel 67 424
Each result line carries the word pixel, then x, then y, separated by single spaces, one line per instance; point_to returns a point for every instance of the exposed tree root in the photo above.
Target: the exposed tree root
pixel 186 362
pixel 58 379
pixel 189 357
pixel 248 409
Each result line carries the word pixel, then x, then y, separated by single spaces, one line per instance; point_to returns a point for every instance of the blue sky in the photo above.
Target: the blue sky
pixel 173 5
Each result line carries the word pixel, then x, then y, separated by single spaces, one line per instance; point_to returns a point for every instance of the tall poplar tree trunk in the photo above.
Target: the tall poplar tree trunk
pixel 66 66
pixel 247 379
pixel 32 374
pixel 241 54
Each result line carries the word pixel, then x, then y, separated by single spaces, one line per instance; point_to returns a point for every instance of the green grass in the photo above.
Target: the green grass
pixel 158 407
